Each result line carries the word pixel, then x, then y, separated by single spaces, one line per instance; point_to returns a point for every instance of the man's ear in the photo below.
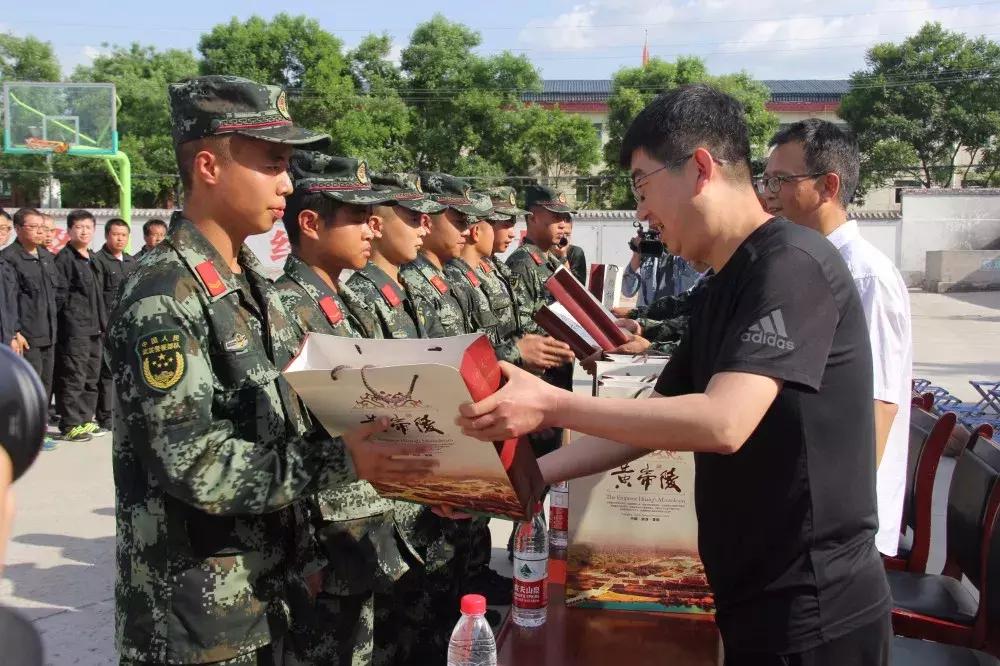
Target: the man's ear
pixel 309 221
pixel 831 187
pixel 706 168
pixel 376 224
pixel 206 167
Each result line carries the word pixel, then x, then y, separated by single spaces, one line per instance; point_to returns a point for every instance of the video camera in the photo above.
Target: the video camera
pixel 649 244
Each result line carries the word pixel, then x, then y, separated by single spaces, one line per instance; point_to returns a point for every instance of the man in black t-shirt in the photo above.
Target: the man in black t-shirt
pixel 770 387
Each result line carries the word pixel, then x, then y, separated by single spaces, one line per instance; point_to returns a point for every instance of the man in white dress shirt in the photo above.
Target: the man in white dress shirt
pixel 810 178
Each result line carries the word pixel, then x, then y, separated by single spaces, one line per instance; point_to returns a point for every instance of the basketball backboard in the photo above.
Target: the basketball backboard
pixel 73 118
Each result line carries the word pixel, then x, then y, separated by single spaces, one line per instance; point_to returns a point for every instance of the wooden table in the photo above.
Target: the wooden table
pixel 585 636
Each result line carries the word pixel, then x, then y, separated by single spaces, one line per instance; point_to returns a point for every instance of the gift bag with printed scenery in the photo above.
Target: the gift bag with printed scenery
pixel 418 385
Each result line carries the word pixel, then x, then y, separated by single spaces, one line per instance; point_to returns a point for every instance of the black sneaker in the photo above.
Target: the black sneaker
pixel 498 590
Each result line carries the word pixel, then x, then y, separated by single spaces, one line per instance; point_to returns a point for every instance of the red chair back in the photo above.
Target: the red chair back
pixel 928 438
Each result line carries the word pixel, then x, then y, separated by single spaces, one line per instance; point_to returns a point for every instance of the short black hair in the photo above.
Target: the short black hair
pixel 4 213
pixel 678 122
pixel 114 222
pixel 23 213
pixel 78 215
pixel 149 224
pixel 299 201
pixel 186 151
pixel 827 149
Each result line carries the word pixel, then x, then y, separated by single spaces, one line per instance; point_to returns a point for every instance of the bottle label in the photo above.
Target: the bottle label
pixel 530 591
pixel 558 517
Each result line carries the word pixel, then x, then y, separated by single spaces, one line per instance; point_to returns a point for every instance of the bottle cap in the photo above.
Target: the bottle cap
pixel 474 604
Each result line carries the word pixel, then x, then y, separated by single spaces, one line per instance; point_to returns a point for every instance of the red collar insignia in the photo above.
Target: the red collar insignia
pixel 485 265
pixel 473 280
pixel 391 295
pixel 534 255
pixel 439 284
pixel 210 276
pixel 333 313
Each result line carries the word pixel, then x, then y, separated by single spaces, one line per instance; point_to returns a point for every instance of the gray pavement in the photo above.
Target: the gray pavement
pixel 60 563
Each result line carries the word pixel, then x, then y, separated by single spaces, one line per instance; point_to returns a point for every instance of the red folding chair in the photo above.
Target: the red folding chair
pixel 940 607
pixel 928 438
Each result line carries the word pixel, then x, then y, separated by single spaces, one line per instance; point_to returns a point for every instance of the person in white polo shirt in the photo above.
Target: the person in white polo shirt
pixel 810 178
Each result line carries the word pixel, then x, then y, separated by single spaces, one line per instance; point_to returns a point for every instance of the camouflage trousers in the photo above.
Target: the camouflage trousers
pixel 269 655
pixel 480 546
pixel 337 631
pixel 414 622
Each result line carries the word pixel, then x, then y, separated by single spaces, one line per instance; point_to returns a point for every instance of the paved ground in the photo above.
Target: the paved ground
pixel 60 563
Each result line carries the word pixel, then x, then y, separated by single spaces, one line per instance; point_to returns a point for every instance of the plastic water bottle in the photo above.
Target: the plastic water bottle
pixel 472 642
pixel 531 568
pixel 559 514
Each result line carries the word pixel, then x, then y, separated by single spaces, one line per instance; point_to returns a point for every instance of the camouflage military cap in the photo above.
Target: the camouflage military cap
pixel 504 200
pixel 342 179
pixel 454 193
pixel 406 191
pixel 215 105
pixel 546 197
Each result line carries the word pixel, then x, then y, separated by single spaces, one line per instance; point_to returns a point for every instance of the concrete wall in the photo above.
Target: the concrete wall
pixel 963 270
pixel 945 220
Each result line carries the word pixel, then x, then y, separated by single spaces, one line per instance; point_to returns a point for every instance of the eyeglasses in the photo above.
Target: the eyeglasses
pixel 772 184
pixel 638 182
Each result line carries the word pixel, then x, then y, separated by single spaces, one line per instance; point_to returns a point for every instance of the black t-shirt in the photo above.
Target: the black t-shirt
pixel 787 524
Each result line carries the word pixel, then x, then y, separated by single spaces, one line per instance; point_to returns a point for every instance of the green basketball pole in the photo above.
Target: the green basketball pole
pixel 122 176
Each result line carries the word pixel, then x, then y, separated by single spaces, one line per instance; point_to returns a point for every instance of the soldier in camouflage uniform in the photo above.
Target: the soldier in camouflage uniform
pixel 327 224
pixel 519 343
pixel 449 231
pixel 531 265
pixel 659 327
pixel 400 225
pixel 211 447
pixel 425 607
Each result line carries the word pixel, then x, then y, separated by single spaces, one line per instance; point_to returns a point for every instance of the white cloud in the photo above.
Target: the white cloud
pixel 769 38
pixel 395 53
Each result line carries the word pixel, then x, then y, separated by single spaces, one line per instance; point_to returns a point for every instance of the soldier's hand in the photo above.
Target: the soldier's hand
pixel 446 511
pixel 19 344
pixel 630 325
pixel 637 345
pixel 384 461
pixel 541 353
pixel 621 312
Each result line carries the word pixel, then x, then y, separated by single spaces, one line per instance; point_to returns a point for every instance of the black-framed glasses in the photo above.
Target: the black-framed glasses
pixel 637 182
pixel 772 184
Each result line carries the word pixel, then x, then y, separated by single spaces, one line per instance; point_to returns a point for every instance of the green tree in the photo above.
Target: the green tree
pixel 555 144
pixel 141 75
pixel 918 103
pixel 462 105
pixel 25 59
pixel 632 88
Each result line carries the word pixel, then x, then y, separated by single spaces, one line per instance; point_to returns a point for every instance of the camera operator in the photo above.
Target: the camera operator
pixel 653 272
pixel 22 401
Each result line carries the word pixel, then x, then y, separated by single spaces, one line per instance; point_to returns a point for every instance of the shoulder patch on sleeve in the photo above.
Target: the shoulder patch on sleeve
pixel 161 359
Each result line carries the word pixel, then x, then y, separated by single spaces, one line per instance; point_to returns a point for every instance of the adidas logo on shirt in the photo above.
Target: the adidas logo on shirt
pixel 770 331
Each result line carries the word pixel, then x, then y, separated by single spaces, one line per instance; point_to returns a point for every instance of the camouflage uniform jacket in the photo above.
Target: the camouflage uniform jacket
pixel 502 332
pixel 211 450
pixel 451 303
pixel 354 524
pixel 397 311
pixel 530 268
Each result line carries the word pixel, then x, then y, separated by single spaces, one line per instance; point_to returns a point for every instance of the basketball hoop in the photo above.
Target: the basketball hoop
pixel 46 144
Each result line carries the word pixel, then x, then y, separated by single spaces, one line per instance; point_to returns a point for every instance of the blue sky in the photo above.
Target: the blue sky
pixel 588 39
